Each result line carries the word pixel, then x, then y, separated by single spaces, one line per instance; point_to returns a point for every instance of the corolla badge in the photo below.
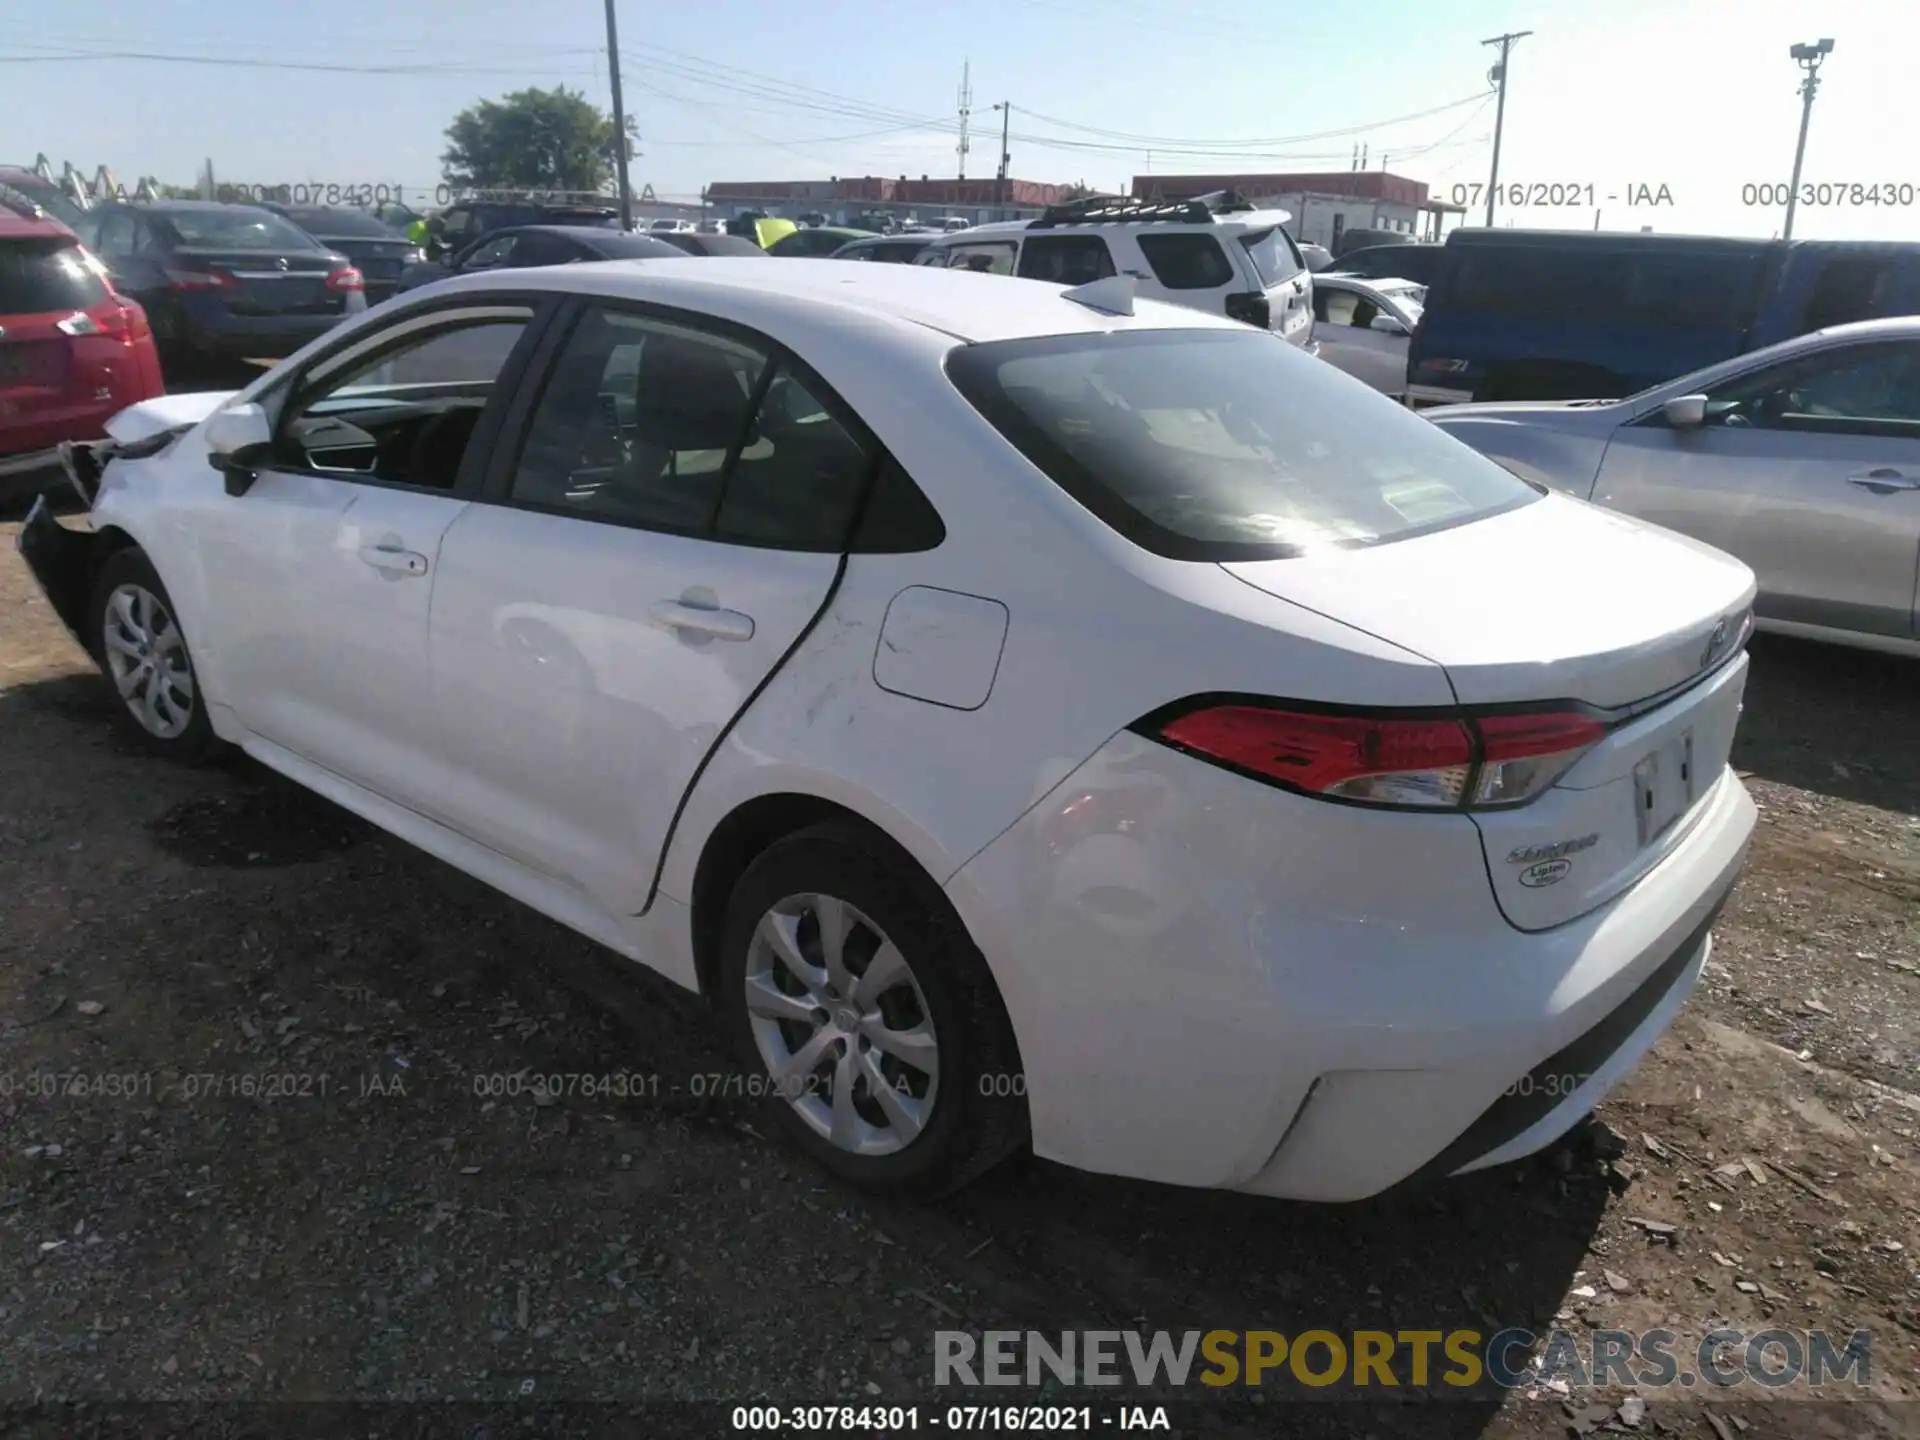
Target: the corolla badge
pixel 1554 850
pixel 1547 872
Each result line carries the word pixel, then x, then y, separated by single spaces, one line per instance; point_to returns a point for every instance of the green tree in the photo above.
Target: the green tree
pixel 532 140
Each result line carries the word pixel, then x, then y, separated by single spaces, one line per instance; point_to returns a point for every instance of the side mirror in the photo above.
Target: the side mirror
pixel 1387 325
pixel 239 442
pixel 1685 412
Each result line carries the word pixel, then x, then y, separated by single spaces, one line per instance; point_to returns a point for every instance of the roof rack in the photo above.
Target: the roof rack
pixel 21 203
pixel 1119 209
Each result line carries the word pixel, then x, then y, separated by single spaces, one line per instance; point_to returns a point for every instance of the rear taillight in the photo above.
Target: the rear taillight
pixel 1250 307
pixel 201 279
pixel 1443 762
pixel 347 279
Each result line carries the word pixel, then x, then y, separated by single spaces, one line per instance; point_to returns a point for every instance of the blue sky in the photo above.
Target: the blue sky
pixel 1697 96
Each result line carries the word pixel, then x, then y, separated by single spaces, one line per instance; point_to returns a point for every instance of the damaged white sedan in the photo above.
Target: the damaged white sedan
pixel 1024 712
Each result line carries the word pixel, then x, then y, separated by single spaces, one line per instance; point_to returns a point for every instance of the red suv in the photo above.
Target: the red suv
pixel 72 352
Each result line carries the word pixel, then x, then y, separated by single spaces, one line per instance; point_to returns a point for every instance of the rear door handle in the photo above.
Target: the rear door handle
pixel 696 620
pixel 1884 481
pixel 394 560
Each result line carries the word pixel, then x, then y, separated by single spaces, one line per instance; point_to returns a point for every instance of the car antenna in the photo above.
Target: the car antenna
pixel 1112 294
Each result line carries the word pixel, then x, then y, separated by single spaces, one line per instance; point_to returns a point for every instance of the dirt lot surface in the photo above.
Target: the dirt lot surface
pixel 392 1230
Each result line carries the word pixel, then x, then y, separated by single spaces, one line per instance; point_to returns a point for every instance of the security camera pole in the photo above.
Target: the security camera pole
pixel 1505 42
pixel 1809 57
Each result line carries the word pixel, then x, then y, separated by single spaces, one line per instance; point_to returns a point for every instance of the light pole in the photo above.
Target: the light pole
pixel 1505 42
pixel 1000 179
pixel 619 122
pixel 1809 58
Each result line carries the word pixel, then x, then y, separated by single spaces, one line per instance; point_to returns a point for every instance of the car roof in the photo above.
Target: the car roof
pixel 772 293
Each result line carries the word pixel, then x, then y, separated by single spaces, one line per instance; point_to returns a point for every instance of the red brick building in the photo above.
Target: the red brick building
pixel 843 196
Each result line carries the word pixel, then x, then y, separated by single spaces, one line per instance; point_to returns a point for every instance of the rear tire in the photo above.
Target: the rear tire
pixel 139 644
pixel 865 1019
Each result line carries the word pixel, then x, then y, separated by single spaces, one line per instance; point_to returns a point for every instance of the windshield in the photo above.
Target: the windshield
pixel 1226 444
pixel 238 228
pixel 348 224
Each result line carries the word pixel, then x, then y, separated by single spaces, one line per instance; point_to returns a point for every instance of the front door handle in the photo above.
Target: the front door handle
pixel 394 560
pixel 1884 481
pixel 697 620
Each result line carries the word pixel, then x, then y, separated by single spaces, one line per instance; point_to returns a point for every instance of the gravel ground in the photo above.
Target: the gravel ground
pixel 392 1228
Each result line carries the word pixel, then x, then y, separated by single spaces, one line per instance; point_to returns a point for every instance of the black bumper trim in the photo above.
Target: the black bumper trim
pixel 62 561
pixel 1543 1088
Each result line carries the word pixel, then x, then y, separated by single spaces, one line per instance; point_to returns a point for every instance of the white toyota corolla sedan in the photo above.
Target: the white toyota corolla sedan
pixel 1022 711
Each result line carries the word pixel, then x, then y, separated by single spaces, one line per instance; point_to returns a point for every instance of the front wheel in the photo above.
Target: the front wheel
pixel 865 1019
pixel 139 643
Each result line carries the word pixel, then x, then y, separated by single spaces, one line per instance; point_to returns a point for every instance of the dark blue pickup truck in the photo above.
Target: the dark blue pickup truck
pixel 1575 315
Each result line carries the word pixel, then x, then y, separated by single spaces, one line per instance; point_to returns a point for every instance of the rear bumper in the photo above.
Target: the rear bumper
pixel 45 429
pixel 1237 987
pixel 1419 397
pixel 216 331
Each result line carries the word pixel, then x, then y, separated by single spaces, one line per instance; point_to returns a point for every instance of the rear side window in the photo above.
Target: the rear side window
pixel 1668 288
pixel 43 275
pixel 1274 256
pixel 1066 259
pixel 1187 261
pixel 985 259
pixel 1220 445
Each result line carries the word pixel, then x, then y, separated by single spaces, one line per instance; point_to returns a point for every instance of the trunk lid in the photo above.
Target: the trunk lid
pixel 1559 601
pixel 1554 600
pixel 272 282
pixel 34 361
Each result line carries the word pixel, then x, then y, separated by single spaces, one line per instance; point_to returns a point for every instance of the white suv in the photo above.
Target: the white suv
pixel 1215 253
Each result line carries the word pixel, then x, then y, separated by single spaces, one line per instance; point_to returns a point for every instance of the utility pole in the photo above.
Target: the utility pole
pixel 1809 57
pixel 1505 42
pixel 1005 107
pixel 966 111
pixel 619 122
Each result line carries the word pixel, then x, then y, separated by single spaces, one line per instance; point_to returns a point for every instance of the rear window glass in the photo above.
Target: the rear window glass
pixel 350 224
pixel 235 229
pixel 1706 288
pixel 1273 256
pixel 1226 445
pixel 1187 261
pixel 42 275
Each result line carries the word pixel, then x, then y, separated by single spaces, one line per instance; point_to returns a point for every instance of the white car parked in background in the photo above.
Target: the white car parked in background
pixel 1215 253
pixel 1018 709
pixel 1364 326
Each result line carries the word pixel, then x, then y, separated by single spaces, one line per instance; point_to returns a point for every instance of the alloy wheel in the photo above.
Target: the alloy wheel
pixel 842 1025
pixel 147 657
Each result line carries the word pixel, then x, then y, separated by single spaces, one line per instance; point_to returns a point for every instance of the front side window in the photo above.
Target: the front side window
pixel 492 254
pixel 404 414
pixel 982 259
pixel 115 236
pixel 1187 260
pixel 1066 259
pixel 637 421
pixel 1221 445
pixel 1861 389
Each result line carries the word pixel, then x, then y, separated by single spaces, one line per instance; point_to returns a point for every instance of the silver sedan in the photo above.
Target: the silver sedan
pixel 1802 459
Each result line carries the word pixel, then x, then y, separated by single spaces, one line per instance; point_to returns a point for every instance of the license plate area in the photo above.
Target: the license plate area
pixel 1665 782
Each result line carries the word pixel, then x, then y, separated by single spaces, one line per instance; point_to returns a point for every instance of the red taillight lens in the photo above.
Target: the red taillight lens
pixel 201 279
pixel 347 279
pixel 1439 763
pixel 1521 755
pixel 1349 757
